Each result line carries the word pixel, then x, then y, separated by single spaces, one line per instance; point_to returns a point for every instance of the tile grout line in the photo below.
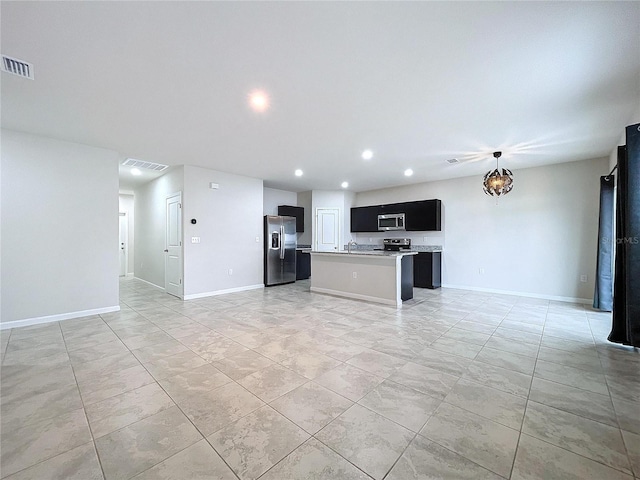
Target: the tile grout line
pixel 571 413
pixel 249 413
pixel 84 410
pixel 312 437
pixel 66 451
pixel 385 319
pixel 4 354
pixel 183 413
pixel 624 443
pixel 526 406
pixel 143 418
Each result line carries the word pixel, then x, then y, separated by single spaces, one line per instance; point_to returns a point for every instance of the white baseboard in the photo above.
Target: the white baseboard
pixel 57 318
pixel 148 283
pixel 356 296
pixel 129 274
pixel 521 294
pixel 222 292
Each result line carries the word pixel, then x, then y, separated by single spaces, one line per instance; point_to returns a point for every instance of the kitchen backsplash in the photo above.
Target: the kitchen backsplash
pixel 417 238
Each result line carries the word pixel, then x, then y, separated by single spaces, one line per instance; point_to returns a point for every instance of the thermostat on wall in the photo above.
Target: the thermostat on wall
pixel 213 185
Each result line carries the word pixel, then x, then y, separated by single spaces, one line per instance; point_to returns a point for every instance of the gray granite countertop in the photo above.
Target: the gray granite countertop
pixel 427 248
pixel 370 253
pixel 414 248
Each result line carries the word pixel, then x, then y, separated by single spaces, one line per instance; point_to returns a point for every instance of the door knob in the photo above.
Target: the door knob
pixel 166 251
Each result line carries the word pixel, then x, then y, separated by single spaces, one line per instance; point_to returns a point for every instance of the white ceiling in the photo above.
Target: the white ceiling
pixel 416 82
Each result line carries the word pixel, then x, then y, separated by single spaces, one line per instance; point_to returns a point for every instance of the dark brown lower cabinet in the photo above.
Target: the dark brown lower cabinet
pixel 427 269
pixel 406 277
pixel 303 265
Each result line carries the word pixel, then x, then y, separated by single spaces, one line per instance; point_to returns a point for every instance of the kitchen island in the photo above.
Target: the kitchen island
pixel 377 276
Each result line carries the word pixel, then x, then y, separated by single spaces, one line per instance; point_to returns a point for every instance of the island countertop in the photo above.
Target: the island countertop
pixel 414 248
pixel 376 253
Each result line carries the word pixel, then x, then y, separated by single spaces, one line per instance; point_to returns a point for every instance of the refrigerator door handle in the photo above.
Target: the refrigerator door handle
pixel 281 242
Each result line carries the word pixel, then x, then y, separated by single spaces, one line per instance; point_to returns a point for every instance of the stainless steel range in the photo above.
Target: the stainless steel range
pixel 396 244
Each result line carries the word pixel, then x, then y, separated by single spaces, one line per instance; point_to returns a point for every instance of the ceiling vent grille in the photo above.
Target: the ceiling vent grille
pixel 451 161
pixel 156 167
pixel 17 67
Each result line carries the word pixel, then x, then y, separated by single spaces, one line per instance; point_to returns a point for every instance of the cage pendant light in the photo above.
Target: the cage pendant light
pixel 497 183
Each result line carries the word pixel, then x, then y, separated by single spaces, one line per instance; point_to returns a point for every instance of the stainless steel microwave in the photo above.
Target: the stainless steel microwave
pixel 391 221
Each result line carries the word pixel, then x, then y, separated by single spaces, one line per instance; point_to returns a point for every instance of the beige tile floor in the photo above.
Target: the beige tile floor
pixel 283 384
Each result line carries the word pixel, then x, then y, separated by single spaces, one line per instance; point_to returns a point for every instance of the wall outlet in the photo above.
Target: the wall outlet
pixel 213 186
pixel 425 239
pixel 481 271
pixel 231 271
pixel 355 274
pixel 370 239
pixel 195 239
pixel 257 239
pixel 583 278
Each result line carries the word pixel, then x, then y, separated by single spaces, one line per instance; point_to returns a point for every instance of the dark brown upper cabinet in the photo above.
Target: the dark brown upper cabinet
pixel 420 216
pixel 291 211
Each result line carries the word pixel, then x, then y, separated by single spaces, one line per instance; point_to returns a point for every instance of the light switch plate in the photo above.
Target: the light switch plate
pixel 195 239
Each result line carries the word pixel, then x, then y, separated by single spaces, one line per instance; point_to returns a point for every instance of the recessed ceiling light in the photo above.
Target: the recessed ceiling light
pixel 136 171
pixel 408 172
pixel 298 173
pixel 367 155
pixel 344 184
pixel 259 101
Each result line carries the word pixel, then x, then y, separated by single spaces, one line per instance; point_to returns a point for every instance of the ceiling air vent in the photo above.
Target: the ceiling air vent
pixel 17 67
pixel 132 162
pixel 451 161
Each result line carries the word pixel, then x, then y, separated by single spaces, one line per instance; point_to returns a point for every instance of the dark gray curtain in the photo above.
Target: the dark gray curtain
pixel 626 300
pixel 603 295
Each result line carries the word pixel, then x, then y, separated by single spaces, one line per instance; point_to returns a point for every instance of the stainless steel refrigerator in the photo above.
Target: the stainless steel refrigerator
pixel 279 250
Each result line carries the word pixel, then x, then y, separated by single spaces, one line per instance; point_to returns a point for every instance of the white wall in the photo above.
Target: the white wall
pixel 613 157
pixel 229 220
pixel 538 240
pixel 304 201
pixel 125 202
pixel 59 225
pixel 273 197
pixel 349 201
pixel 332 199
pixel 150 224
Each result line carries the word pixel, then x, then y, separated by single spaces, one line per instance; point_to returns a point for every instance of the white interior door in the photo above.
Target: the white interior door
pixel 124 248
pixel 173 249
pixel 327 229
